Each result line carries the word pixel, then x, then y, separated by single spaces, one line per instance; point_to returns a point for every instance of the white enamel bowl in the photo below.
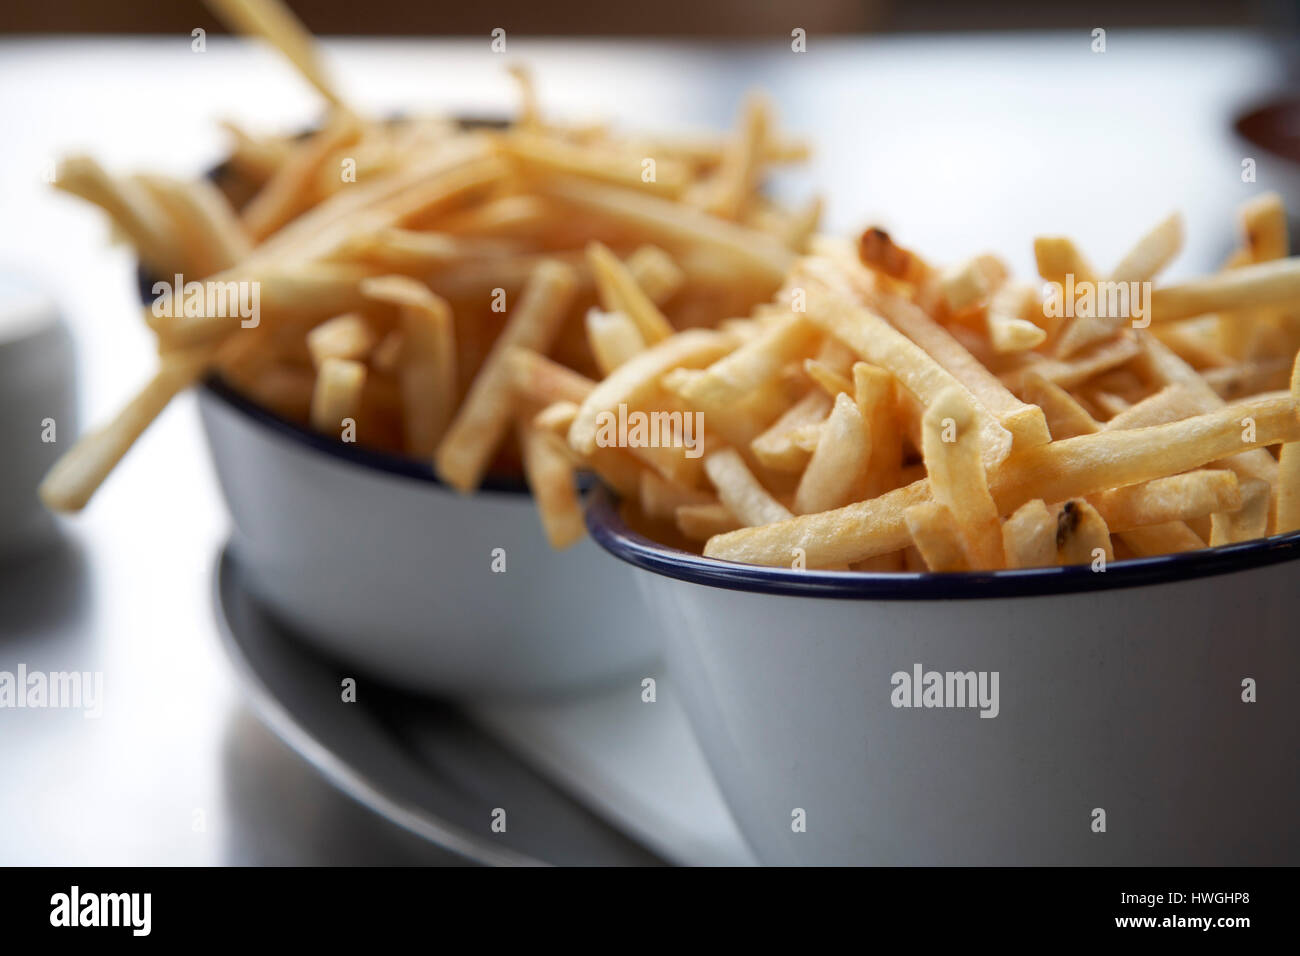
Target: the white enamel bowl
pixel 371 559
pixel 1119 691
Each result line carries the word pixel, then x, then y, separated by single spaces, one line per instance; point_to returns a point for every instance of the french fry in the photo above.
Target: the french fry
pixel 972 282
pixel 78 474
pixel 1026 423
pixel 553 485
pixel 1172 538
pixel 828 379
pixel 740 491
pixel 741 166
pixel 1276 282
pixel 275 22
pixel 764 259
pixel 878 251
pixel 1066 418
pixel 1081 533
pixel 655 273
pixel 1029 536
pixel 778 448
pixel 283 196
pixel 132 210
pixel 337 396
pixel 837 471
pixel 542 381
pixel 1184 497
pixel 1248 520
pixel 879 343
pixel 660 498
pixel 619 292
pixel 701 522
pixel 1288 474
pixel 483 418
pixel 934 533
pixel 1151 254
pixel 1073 467
pixel 954 461
pixel 214 240
pixel 614 339
pixel 634 381
pixel 346 336
pixel 546 154
pixel 427 368
pixel 1008 329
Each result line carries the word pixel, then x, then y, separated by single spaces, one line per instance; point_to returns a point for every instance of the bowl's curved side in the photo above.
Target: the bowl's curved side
pixel 396 574
pixel 1135 727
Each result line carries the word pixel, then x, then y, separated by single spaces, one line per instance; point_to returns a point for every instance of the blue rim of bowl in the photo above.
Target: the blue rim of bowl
pixel 608 529
pixel 371 458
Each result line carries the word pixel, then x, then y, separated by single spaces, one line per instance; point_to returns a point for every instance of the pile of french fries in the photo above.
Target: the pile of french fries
pixel 485 298
pixel 882 414
pixel 401 265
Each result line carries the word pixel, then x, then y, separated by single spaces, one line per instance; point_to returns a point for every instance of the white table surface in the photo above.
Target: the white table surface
pixel 958 144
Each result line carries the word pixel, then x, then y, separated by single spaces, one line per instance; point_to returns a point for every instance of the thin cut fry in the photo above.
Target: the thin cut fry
pixel 466 450
pixel 337 396
pixel 1029 536
pixel 1247 521
pixel 553 485
pixel 934 532
pixel 1184 497
pixel 953 459
pixel 77 475
pixel 1080 534
pixel 740 491
pixel 837 471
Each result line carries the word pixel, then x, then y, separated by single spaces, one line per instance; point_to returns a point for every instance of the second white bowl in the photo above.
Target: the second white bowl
pixel 370 558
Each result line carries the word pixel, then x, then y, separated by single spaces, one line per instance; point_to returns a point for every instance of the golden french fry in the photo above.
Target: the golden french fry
pixel 778 447
pixel 337 397
pixel 1066 418
pixel 275 22
pixel 469 443
pixel 701 522
pixel 837 471
pixel 427 368
pixel 544 154
pixel 285 194
pixel 553 485
pixel 1248 520
pixel 935 535
pixel 1276 282
pixel 619 292
pixel 346 336
pixel 827 378
pixel 1081 535
pixel 1056 471
pixel 879 343
pixel 614 339
pixel 1172 538
pixel 741 166
pixel 660 498
pixel 740 491
pixel 542 381
pixel 635 381
pixel 764 259
pixel 954 461
pixel 80 471
pixel 211 233
pixel 1029 536
pixel 972 282
pixel 878 251
pixel 1008 329
pixel 133 210
pixel 1184 497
